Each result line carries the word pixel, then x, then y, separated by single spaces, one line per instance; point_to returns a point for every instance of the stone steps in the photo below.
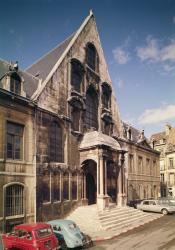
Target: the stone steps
pixel 115 219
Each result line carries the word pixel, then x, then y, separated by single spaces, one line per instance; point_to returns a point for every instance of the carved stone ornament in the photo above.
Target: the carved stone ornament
pixel 107 117
pixel 76 102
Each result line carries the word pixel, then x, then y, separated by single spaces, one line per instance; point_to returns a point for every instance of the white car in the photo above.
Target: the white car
pixel 157 206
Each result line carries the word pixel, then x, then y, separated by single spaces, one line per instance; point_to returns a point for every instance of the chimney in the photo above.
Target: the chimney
pixel 167 129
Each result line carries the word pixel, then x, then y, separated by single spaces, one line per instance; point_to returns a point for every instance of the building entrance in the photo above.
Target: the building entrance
pixel 90 189
pixel 90 181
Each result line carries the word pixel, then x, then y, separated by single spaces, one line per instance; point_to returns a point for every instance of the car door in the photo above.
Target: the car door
pixel 145 205
pixel 153 207
pixel 28 241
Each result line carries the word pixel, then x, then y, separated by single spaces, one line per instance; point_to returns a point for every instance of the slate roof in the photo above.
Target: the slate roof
pixel 30 82
pixel 136 137
pixel 44 65
pixel 134 132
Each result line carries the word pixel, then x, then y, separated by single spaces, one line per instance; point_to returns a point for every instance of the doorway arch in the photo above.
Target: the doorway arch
pixel 90 181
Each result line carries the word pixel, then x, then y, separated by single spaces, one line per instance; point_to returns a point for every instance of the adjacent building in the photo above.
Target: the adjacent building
pixel 17 147
pixel 142 175
pixel 164 142
pixel 64 144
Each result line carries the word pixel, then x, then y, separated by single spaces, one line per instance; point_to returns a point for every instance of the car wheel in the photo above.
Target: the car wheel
pixel 164 211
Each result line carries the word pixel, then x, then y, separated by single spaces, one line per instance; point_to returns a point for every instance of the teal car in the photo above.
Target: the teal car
pixel 69 234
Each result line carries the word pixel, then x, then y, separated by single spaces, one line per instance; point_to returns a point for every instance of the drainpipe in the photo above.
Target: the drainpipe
pixel 34 161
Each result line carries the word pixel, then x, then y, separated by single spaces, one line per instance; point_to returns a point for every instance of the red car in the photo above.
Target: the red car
pixel 38 236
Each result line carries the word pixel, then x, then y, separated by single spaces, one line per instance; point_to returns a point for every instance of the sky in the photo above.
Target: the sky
pixel 137 36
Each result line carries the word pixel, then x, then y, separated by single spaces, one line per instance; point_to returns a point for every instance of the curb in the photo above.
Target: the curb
pixel 99 239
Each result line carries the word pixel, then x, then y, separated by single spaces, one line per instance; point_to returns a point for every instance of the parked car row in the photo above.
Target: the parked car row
pixel 56 234
pixel 163 206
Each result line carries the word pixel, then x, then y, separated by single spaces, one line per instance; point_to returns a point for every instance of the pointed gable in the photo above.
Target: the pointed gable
pixel 47 65
pixel 43 66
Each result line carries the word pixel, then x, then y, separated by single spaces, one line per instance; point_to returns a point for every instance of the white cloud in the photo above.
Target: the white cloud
pixel 149 52
pixel 163 113
pixel 168 68
pixel 155 53
pixel 168 52
pixel 120 55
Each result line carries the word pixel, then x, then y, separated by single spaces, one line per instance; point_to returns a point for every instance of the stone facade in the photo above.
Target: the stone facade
pixel 71 136
pixel 141 167
pixel 164 142
pixel 58 101
pixel 17 162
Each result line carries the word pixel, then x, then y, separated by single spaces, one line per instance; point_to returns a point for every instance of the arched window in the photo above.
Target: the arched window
pixel 91 109
pixel 92 57
pixel 76 74
pixel 56 186
pixel 14 200
pixel 66 186
pixel 74 186
pixel 56 143
pixel 15 83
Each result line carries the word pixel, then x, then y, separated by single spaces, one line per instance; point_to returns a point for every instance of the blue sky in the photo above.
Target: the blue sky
pixel 138 38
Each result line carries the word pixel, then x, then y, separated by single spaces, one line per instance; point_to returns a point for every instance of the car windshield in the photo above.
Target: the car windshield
pixel 44 232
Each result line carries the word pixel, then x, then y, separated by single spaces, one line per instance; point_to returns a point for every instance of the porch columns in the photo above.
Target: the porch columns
pixel 84 200
pixel 121 199
pixel 102 197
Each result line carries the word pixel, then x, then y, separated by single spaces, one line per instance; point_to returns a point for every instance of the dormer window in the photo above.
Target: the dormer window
pixel 15 83
pixel 92 57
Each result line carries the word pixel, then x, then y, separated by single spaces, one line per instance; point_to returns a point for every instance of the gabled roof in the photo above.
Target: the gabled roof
pixel 30 82
pixel 46 68
pixel 44 65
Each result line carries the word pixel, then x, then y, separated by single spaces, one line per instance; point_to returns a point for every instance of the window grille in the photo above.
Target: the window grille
pixel 91 56
pixel 14 200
